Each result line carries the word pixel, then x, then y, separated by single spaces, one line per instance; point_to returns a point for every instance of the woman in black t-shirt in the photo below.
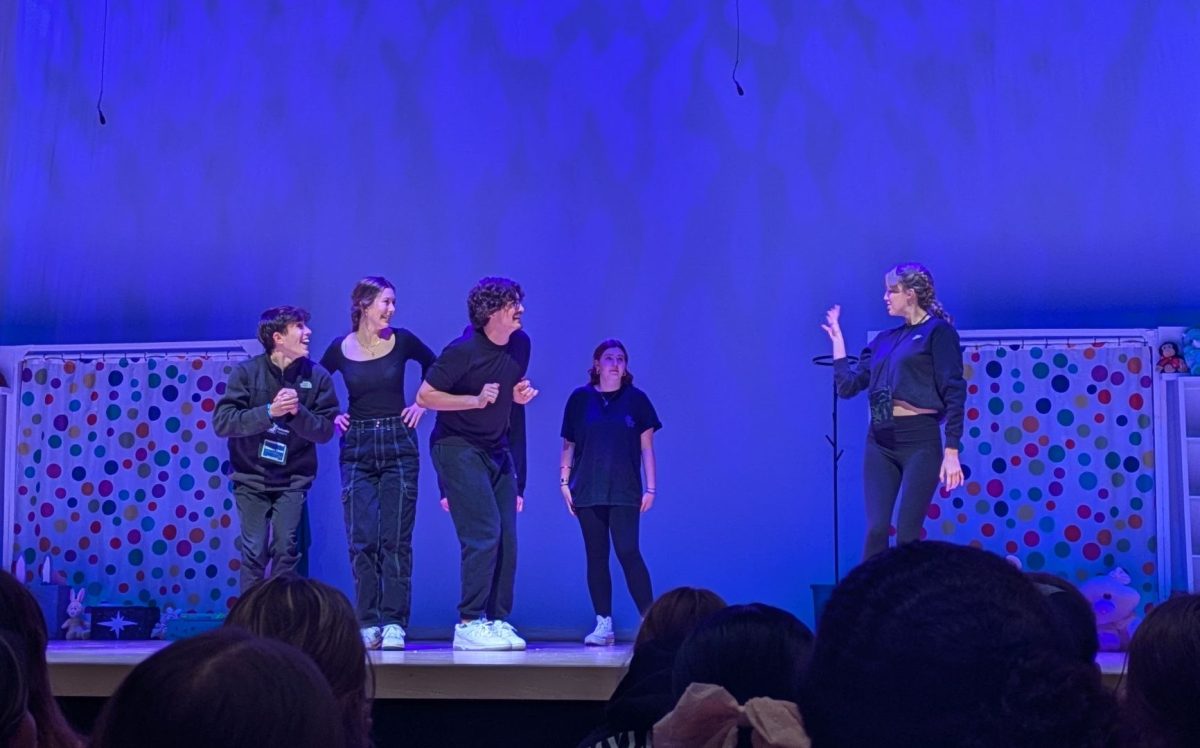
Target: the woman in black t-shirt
pixel 914 377
pixel 379 459
pixel 608 440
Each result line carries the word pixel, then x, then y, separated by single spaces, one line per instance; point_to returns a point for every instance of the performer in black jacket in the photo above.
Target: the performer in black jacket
pixel 914 377
pixel 276 407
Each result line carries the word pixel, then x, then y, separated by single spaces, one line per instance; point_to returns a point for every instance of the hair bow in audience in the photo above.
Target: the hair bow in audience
pixel 707 716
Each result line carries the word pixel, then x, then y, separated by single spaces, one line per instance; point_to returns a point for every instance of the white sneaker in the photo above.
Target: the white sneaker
pixel 478 635
pixel 371 637
pixel 505 631
pixel 603 636
pixel 393 636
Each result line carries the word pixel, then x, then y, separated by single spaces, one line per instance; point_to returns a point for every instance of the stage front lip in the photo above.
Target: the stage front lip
pixel 545 671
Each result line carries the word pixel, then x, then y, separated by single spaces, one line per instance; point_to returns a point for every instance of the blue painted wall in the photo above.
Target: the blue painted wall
pixel 1040 157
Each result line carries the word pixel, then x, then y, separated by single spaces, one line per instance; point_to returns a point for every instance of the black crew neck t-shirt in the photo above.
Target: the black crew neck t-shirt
pixel 376 386
pixel 464 367
pixel 606 429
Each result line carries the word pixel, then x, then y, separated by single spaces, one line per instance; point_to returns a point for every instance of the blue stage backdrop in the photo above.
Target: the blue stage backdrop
pixel 1039 156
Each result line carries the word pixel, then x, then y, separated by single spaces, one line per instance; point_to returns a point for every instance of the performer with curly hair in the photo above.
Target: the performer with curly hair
pixel 914 377
pixel 473 385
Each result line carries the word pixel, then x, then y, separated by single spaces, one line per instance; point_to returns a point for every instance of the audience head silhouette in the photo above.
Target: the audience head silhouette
pixel 21 616
pixel 18 729
pixel 1072 611
pixel 1162 685
pixel 226 687
pixel 674 614
pixel 318 620
pixel 932 644
pixel 750 650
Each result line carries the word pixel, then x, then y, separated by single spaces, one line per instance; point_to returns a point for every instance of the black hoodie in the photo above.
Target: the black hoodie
pixel 241 416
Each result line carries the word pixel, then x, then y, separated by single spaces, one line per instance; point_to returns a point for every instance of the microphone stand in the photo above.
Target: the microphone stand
pixel 832 438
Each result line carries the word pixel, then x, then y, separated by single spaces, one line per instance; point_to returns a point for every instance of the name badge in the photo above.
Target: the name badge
pixel 273 451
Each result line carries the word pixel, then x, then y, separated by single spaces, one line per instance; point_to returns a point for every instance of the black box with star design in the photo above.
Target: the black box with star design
pixel 123 622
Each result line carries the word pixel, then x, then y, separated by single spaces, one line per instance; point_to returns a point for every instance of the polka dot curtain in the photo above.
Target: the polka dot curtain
pixel 122 482
pixel 1059 458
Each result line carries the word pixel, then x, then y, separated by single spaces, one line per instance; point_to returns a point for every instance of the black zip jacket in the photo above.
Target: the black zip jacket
pixel 241 416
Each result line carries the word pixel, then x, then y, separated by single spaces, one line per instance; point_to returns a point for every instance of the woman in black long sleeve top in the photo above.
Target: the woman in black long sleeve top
pixel 379 459
pixel 914 377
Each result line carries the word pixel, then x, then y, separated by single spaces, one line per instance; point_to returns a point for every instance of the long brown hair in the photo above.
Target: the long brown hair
pixel 318 620
pixel 674 614
pixel 20 614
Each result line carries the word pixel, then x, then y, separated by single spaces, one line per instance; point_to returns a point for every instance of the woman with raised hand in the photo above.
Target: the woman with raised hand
pixel 914 378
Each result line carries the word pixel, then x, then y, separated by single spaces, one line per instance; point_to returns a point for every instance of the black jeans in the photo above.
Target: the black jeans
pixel 622 524
pixel 379 462
pixel 268 521
pixel 482 489
pixel 902 460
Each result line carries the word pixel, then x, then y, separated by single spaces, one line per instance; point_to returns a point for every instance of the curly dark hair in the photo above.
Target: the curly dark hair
pixel 917 278
pixel 594 370
pixel 1162 684
pixel 489 296
pixel 934 644
pixel 363 296
pixel 276 320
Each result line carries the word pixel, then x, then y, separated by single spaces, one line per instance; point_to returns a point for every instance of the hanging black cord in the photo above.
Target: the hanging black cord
pixel 103 54
pixel 737 55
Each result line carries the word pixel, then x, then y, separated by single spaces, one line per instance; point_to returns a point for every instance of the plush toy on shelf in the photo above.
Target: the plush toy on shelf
pixel 1169 360
pixel 1191 350
pixel 1115 604
pixel 75 625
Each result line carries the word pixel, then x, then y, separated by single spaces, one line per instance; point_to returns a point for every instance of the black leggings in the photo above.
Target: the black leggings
pixel 621 522
pixel 902 460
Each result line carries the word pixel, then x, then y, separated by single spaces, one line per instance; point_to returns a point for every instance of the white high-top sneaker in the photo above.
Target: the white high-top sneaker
pixel 603 636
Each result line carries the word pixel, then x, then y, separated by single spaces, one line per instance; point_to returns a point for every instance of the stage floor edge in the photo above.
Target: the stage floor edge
pixel 545 671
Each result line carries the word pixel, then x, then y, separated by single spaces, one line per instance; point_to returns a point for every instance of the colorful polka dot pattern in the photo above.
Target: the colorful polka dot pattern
pixel 122 481
pixel 1059 462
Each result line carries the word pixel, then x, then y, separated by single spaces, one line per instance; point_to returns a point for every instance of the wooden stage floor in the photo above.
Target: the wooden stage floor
pixel 546 671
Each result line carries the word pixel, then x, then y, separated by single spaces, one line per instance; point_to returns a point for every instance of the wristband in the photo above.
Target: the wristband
pixel 651 490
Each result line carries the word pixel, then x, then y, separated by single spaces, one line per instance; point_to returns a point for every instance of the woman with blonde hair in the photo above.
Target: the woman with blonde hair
pixel 913 375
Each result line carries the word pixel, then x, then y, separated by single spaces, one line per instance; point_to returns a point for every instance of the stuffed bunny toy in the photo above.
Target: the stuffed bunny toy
pixel 75 625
